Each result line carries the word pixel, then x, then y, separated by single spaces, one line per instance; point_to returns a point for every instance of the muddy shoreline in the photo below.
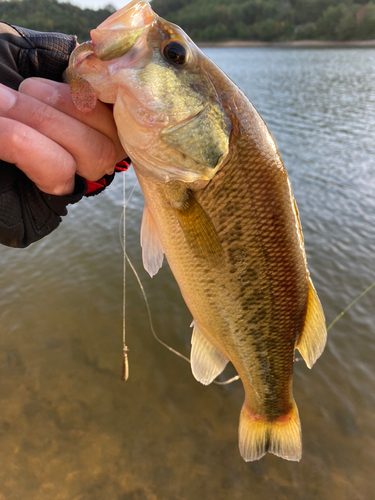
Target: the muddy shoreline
pixel 291 44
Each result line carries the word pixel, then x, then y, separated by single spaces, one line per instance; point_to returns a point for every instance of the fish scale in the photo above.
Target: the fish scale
pixel 265 312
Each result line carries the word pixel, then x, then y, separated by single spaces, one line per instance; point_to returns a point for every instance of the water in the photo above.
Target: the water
pixel 71 430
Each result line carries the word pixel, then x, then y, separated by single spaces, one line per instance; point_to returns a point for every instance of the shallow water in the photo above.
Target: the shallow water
pixel 71 430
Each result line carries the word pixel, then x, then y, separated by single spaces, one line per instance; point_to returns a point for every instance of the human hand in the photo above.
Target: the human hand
pixel 46 137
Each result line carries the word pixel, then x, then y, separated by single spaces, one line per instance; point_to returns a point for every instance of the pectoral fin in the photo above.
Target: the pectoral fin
pixel 206 361
pixel 199 230
pixel 314 335
pixel 152 251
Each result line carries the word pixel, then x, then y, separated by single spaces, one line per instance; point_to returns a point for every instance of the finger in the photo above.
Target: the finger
pixel 57 95
pixel 42 160
pixel 94 153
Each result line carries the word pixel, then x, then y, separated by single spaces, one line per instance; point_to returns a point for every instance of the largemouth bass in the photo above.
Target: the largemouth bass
pixel 219 205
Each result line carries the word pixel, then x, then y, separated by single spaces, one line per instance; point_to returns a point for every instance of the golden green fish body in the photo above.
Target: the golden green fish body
pixel 251 302
pixel 219 205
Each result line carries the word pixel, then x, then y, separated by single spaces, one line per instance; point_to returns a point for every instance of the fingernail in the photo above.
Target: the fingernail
pixel 39 90
pixel 7 98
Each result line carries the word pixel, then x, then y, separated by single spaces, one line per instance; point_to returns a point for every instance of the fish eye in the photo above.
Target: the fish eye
pixel 175 53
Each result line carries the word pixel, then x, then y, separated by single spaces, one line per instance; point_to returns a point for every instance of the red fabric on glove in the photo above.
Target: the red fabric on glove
pixel 96 187
pixel 122 165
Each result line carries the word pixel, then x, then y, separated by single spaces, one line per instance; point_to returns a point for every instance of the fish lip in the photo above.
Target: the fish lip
pixel 108 52
pixel 117 35
pixel 142 11
pixel 79 54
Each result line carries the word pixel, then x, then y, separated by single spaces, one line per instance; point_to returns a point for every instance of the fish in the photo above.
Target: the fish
pixel 219 206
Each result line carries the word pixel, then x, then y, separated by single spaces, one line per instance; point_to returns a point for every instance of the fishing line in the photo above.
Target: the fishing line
pixel 125 369
pixel 125 350
pixel 349 306
pixel 126 258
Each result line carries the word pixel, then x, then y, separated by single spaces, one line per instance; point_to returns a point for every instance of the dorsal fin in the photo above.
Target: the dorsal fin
pixel 314 335
pixel 152 251
pixel 206 361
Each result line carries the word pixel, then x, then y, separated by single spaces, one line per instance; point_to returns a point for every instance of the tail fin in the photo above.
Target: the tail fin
pixel 281 437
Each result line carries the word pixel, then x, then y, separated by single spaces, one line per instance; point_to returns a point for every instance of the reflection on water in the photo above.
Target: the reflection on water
pixel 71 430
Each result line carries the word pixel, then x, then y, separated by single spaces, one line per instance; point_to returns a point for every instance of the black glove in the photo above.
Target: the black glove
pixel 26 213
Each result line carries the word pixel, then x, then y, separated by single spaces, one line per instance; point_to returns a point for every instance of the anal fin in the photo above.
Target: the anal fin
pixel 314 335
pixel 152 251
pixel 206 361
pixel 282 437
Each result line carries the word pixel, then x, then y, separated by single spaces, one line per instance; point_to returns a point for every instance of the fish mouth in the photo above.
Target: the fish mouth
pixel 119 33
pixel 114 37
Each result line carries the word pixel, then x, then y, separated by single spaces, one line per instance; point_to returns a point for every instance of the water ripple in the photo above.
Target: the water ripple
pixel 61 309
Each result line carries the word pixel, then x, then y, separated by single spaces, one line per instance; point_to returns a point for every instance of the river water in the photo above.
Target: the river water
pixel 71 430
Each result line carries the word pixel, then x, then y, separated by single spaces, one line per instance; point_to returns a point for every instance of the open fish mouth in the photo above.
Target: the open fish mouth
pixel 116 36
